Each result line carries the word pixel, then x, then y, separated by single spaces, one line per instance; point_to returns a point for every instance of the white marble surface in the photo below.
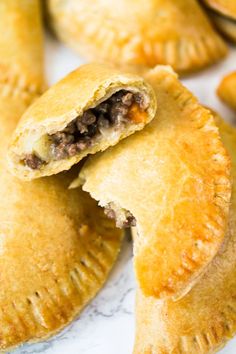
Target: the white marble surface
pixel 106 326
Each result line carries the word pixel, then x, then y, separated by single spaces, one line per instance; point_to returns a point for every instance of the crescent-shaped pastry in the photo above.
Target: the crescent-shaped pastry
pixel 89 110
pixel 56 246
pixel 227 90
pixel 173 181
pixel 141 32
pixel 223 13
pixel 205 319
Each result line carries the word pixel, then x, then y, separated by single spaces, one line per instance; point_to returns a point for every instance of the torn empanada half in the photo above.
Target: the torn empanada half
pixel 141 33
pixel 205 319
pixel 172 180
pixel 89 110
pixel 227 90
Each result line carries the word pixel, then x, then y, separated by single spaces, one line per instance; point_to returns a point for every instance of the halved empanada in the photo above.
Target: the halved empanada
pixel 205 319
pixel 89 110
pixel 56 246
pixel 141 32
pixel 227 90
pixel 173 180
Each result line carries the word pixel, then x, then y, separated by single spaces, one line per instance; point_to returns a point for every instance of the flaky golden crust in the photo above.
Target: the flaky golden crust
pixel 141 32
pixel 204 320
pixel 225 7
pixel 56 245
pixel 227 90
pixel 64 102
pixel 174 177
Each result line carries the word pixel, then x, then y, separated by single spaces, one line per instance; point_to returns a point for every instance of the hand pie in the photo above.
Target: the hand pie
pixel 141 32
pixel 89 110
pixel 56 245
pixel 204 320
pixel 173 181
pixel 223 13
pixel 227 90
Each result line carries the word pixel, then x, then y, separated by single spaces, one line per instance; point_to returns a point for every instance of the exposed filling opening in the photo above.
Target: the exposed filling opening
pixel 123 217
pixel 115 113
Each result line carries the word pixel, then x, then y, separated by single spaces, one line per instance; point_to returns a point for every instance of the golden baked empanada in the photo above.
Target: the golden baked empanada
pixel 89 110
pixel 227 90
pixel 173 178
pixel 204 320
pixel 223 13
pixel 56 245
pixel 141 32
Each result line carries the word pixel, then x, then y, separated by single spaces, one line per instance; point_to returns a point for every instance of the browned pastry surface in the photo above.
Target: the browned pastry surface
pixel 56 246
pixel 204 320
pixel 227 90
pixel 174 178
pixel 141 32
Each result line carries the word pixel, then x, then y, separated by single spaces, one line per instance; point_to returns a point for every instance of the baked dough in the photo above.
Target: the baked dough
pixel 141 32
pixel 224 7
pixel 223 13
pixel 56 245
pixel 226 25
pixel 204 320
pixel 227 90
pixel 80 92
pixel 174 179
pixel 17 70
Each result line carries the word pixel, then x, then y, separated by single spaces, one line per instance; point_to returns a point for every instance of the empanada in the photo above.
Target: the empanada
pixel 205 319
pixel 223 13
pixel 141 32
pixel 227 90
pixel 173 180
pixel 56 245
pixel 90 109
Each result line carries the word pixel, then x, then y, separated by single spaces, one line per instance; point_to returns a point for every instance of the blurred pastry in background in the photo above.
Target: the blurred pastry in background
pixel 172 180
pixel 140 33
pixel 89 110
pixel 223 13
pixel 227 90
pixel 205 319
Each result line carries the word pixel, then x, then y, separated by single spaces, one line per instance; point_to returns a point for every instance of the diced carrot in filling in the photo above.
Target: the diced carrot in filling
pixel 137 115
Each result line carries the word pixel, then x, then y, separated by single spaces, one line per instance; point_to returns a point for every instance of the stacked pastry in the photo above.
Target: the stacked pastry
pixel 157 162
pixel 223 13
pixel 172 180
pixel 141 33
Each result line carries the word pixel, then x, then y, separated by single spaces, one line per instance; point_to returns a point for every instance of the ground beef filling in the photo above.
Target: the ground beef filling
pixel 123 218
pixel 81 133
